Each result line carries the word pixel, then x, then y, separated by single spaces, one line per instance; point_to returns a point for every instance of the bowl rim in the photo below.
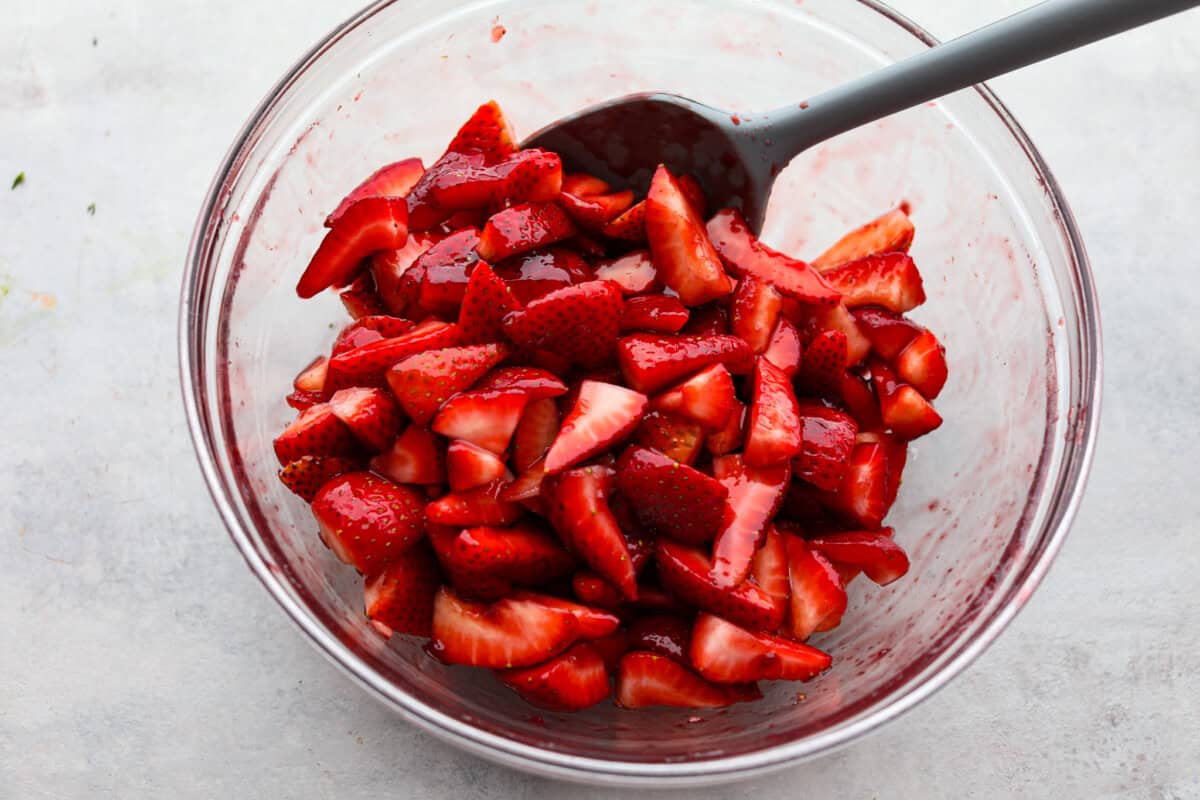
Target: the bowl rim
pixel 1064 504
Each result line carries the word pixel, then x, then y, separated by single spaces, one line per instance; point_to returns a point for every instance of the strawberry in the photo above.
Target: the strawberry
pixel 730 437
pixel 306 475
pixel 902 407
pixel 684 256
pixel 648 679
pixel 469 465
pixel 769 568
pixel 315 432
pixel 486 132
pixel 369 329
pixel 359 298
pixel 896 452
pixel 507 633
pixel 424 211
pixel 590 588
pixel 529 175
pixel 302 400
pixel 393 180
pixel 785 350
pixel 655 312
pixel 773 428
pixel 536 431
pixel 537 384
pixel 890 280
pixel 417 456
pixel 827 437
pixel 487 419
pixel 889 233
pixel 812 321
pixel 923 364
pixel 859 399
pixel 371 224
pixel 579 511
pixel 709 321
pixel 595 211
pixel 523 227
pixel 444 270
pixel 874 552
pixel 693 192
pixel 676 437
pixel 366 365
pixel 366 520
pixel 755 494
pixel 594 623
pixel 725 653
pixel 583 184
pixel 818 598
pixel 665 634
pixel 611 648
pixel 478 506
pixel 686 573
pixel 629 226
pixel 888 333
pixel 670 498
pixel 526 554
pixel 754 312
pixel 399 598
pixel 312 377
pixel 485 301
pixel 656 600
pixel 572 681
pixel 633 272
pixel 527 488
pixel 604 415
pixel 651 362
pixel 824 363
pixel 533 274
pixel 745 256
pixel 370 414
pixel 862 496
pixel 424 381
pixel 707 397
pixel 396 283
pixel 579 322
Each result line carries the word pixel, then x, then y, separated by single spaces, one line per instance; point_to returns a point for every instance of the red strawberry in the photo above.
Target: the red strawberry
pixel 670 498
pixel 371 224
pixel 730 437
pixel 889 333
pixel 536 431
pixel 755 310
pixel 725 653
pixel 526 554
pixel 393 180
pixel 527 488
pixel 651 361
pixel 603 416
pixel 478 506
pixel 531 275
pixel 312 377
pixel 572 681
pixel 818 598
pixel 630 226
pixel 487 419
pixel 860 401
pixel 399 598
pixel 824 363
pixel 529 175
pixel 923 364
pixel 685 258
pixel 755 494
pixel 745 256
pixel 590 588
pixel 367 521
pixel 709 321
pixel 306 475
pixel 828 439
pixel 424 381
pixel 485 302
pixel 594 623
pixel 785 350
pixel 896 452
pixel 507 633
pixel 583 184
pixel 369 329
pixel 874 552
pixel 769 568
pixel 655 312
pixel 370 414
pixel 891 232
pixel 862 495
pixel 537 384
pixel 665 634
pixel 395 281
pixel 486 132
pixel 366 365
pixel 303 400
pixel 578 322
pixel 773 428
pixel 890 280
pixel 676 437
pixel 633 272
pixel 359 298
pixel 707 397
pixel 693 192
pixel 902 407
pixel 655 600
pixel 523 227
pixel 812 321
pixel 648 679
pixel 580 513
pixel 686 573
pixel 417 456
pixel 444 271
pixel 316 432
pixel 595 211
pixel 469 465
pixel 611 648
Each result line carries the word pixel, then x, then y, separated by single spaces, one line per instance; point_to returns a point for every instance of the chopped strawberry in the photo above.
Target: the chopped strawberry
pixel 368 521
pixel 648 679
pixel 889 333
pixel 594 623
pixel 711 320
pixel 312 377
pixel 773 428
pixel 670 498
pixel 579 322
pixel 399 598
pixel 604 415
pixel 707 397
pixel 611 648
pixel 531 275
pixel 359 298
pixel 572 681
pixel 366 365
pixel 785 350
pixel 633 272
pixel 827 437
pixel 745 256
pixel 651 362
pixel 818 598
pixel 486 132
pixel 485 301
pixel 686 573
pixel 369 329
pixel 629 226
pixel 860 401
pixel 889 233
pixel 769 568
pixel 527 555
pixel 677 437
pixel 693 192
pixel 536 431
pixel 393 180
pixel 874 552
pixel 487 419
pixel 583 184
pixel 653 599
pixel 665 634
pixel 417 456
pixel 730 437
pixel 370 414
pixel 684 256
pixel 824 363
pixel 862 495
pixel 507 633
pixel 396 282
pixel 424 381
pixel 478 506
pixel 726 653
pixel 444 270
pixel 425 213
pixel 306 475
pixel 902 407
pixel 527 488
pixel 469 465
pixel 890 280
pixel 537 384
pixel 523 227
pixel 527 176
pixel 896 452
pixel 657 312
pixel 580 513
pixel 923 364
pixel 755 310
pixel 370 225
pixel 595 211
pixel 316 432
pixel 755 494
pixel 302 399
pixel 590 588
pixel 811 321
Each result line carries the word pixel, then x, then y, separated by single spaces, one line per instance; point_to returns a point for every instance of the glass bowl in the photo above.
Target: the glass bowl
pixel 986 501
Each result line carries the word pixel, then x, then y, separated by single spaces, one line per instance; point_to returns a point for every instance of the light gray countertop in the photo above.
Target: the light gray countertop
pixel 140 658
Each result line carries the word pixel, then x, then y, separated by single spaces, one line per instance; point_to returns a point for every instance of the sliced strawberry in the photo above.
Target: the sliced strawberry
pixel 812 321
pixel 755 494
pixel 665 634
pixel 874 552
pixel 370 225
pixel 527 488
pixel 535 433
pixel 889 233
pixel 595 211
pixel 369 329
pixel 773 428
pixel 527 176
pixel 306 475
pixel 818 598
pixel 656 312
pixel 359 298
pixel 485 301
pixel 651 361
pixel 417 456
pixel 444 270
pixel 312 377
pixel 393 180
pixel 754 312
pixel 730 437
pixel 611 648
pixel 707 397
pixel 580 513
pixel 424 210
pixel 923 364
pixel 648 679
pixel 633 272
pixel 594 623
pixel 745 256
pixel 508 633
pixel 896 452
pixel 316 432
pixel 862 495
pixel 889 333
pixel 677 437
pixel 709 321
pixel 531 275
pixel 693 192
pixel 890 280
pixel 769 568
pixel 637 537
pixel 684 256
pixel 486 132
pixel 366 365
pixel 590 588
pixel 824 363
pixel 583 184
pixel 422 382
pixel 578 322
pixel 828 439
pixel 725 653
pixel 469 465
pixel 370 414
pixel 785 350
pixel 395 281
pixel 860 401
pixel 399 598
pixel 302 400
pixel 604 415
pixel 536 383
pixel 487 419
pixel 686 573
pixel 630 226
pixel 670 498
pixel 527 555
pixel 572 681
pixel 655 600
pixel 478 506
pixel 902 407
pixel 523 227
pixel 368 521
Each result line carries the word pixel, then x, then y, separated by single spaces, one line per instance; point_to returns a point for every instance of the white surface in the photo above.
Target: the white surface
pixel 138 657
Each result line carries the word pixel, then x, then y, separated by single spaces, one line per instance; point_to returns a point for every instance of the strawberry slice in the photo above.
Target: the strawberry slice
pixel 633 272
pixel 595 211
pixel 629 226
pixel 523 227
pixel 685 572
pixel 755 494
pixel 370 225
pixel 478 506
pixel 785 349
pixel 369 329
pixel 862 496
pixel 444 270
pixel 393 180
pixel 370 414
pixel 730 437
pixel 859 399
pixel 896 452
pixel 485 301
pixel 656 312
pixel 306 475
pixel 827 440
pixel 665 634
pixel 302 400
pixel 892 232
pixel 773 428
pixel 316 432
pixel 527 488
pixel 583 184
pixel 422 382
pixel 399 598
pixel 888 333
pixel 487 419
pixel 531 275
pixel 745 256
pixel 874 552
pixel 359 298
pixel 754 312
pixel 575 680
pixel 824 363
pixel 526 554
pixel 902 407
pixel 651 362
pixel 923 364
pixel 312 377
pixel 611 648
pixel 670 498
pixel 366 365
pixel 648 679
pixel 769 568
pixel 529 175
pixel 604 415
pixel 396 282
pixel 890 280
pixel 685 258
pixel 726 653
pixel 811 321
pixel 417 456
pixel 368 521
pixel 579 511
pixel 469 465
pixel 590 588
pixel 486 132
pixel 594 623
pixel 708 321
pixel 536 431
pixel 508 633
pixel 707 397
pixel 537 384
pixel 676 437
pixel 818 597
pixel 580 322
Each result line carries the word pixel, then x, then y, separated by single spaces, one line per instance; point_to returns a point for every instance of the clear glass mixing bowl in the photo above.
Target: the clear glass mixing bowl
pixel 986 500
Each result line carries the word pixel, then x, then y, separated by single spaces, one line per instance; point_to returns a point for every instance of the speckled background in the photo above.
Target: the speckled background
pixel 139 658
